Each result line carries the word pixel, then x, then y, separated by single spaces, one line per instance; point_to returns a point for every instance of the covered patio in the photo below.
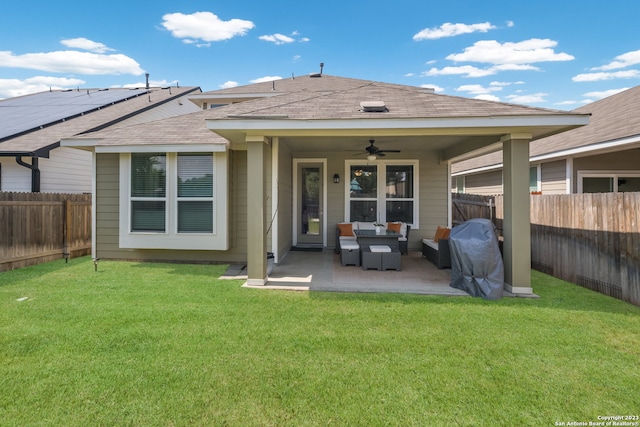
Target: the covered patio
pixel 323 272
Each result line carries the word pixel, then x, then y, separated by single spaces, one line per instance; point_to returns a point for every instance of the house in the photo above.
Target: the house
pixel 603 156
pixel 31 126
pixel 273 165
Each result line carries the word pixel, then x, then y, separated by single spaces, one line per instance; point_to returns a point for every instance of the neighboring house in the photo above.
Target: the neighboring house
pixel 603 156
pixel 273 166
pixel 31 126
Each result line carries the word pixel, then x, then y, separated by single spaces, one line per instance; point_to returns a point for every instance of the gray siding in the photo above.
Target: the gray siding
pixel 107 217
pixel 486 183
pixel 553 177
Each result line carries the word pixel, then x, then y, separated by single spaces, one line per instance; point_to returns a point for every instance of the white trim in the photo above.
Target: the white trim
pixel 569 175
pixel 615 175
pixel 457 125
pixel 381 199
pixel 171 239
pixel 294 213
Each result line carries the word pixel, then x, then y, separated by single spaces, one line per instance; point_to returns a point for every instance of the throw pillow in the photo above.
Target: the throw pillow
pixel 394 226
pixel 346 229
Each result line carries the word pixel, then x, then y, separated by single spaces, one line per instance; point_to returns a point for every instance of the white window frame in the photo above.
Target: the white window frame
pixel 170 238
pixel 381 198
pixel 615 175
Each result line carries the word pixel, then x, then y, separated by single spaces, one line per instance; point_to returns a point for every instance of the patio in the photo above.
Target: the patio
pixel 322 271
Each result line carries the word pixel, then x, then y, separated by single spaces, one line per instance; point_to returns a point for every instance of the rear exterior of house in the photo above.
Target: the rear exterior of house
pixel 277 165
pixel 603 156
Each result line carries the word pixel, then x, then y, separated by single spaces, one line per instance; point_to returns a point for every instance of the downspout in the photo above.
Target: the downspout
pixel 35 172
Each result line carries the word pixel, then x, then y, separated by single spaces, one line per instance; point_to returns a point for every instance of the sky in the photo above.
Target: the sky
pixel 559 54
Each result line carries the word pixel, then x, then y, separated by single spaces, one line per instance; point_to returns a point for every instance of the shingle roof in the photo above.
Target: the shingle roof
pixel 330 97
pixel 315 98
pixel 47 117
pixel 614 117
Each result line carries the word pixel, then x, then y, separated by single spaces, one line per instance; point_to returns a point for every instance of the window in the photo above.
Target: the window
pixel 173 200
pixel 383 192
pixel 533 179
pixel 195 193
pixel 608 182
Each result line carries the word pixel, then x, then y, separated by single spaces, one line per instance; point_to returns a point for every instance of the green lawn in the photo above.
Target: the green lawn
pixel 171 345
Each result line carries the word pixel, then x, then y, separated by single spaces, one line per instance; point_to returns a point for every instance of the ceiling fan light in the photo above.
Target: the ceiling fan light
pixel 371 158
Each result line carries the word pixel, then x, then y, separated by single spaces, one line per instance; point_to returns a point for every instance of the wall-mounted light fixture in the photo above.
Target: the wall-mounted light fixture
pixel 336 179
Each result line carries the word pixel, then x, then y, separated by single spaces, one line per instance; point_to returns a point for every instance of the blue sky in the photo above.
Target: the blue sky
pixel 557 54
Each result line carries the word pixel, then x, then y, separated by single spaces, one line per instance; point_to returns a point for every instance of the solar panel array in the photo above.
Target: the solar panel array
pixel 23 113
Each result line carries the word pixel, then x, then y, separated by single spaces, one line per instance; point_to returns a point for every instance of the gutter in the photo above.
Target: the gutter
pixel 35 172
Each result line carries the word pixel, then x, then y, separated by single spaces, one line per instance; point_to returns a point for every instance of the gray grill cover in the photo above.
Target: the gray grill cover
pixel 476 262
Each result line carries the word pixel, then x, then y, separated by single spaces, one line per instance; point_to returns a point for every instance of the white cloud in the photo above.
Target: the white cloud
pixel 466 70
pixel 204 26
pixel 524 52
pixel 152 83
pixel 621 61
pixel 86 44
pixel 450 30
pixel 266 79
pixel 471 71
pixel 510 24
pixel 478 89
pixel 533 98
pixel 15 87
pixel 487 97
pixel 277 38
pixel 604 93
pixel 282 39
pixel 228 84
pixel 70 61
pixel 596 77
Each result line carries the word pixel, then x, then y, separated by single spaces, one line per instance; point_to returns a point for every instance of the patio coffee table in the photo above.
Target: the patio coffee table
pixel 379 260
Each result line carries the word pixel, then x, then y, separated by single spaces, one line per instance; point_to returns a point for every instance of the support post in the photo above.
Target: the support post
pixel 256 203
pixel 517 222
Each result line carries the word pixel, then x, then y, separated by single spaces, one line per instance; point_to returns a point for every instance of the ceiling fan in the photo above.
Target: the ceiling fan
pixel 375 151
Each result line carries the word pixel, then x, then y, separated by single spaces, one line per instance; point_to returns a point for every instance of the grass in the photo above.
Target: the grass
pixel 171 345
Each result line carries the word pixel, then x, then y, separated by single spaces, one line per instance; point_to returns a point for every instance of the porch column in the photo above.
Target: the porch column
pixel 256 202
pixel 516 223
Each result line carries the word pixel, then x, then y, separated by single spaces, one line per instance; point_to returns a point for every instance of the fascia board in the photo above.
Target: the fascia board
pixel 449 125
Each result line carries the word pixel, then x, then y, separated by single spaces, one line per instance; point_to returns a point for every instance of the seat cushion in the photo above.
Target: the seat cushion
pixel 349 245
pixel 379 248
pixel 431 243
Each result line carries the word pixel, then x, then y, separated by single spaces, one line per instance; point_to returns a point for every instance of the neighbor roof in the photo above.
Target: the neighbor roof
pixel 31 125
pixel 612 118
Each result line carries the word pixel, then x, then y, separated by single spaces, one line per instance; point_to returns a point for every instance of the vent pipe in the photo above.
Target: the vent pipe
pixel 321 67
pixel 147 76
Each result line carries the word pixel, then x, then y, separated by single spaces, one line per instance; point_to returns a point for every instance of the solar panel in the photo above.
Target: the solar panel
pixel 28 112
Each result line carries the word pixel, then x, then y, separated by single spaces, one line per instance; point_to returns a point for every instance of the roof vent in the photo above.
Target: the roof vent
pixel 373 106
pixel 318 74
pixel 429 90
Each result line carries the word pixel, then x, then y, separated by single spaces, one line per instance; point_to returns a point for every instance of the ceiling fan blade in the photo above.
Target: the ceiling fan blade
pixel 388 151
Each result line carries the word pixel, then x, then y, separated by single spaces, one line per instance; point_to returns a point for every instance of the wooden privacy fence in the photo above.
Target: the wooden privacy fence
pixel 592 240
pixel 40 227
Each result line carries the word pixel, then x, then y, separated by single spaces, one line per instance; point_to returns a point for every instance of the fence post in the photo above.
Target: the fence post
pixel 66 229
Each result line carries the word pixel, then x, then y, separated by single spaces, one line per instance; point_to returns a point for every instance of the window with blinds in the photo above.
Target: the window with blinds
pixel 195 193
pixel 148 192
